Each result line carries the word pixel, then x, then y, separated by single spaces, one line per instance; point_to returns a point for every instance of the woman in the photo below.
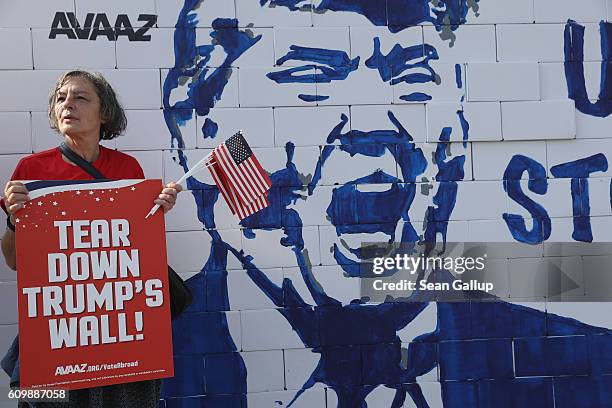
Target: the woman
pixel 84 108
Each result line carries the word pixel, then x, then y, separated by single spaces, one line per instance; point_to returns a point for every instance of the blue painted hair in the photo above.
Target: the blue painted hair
pixel 396 14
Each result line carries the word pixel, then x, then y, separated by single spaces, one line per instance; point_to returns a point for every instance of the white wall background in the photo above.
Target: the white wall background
pixel 515 98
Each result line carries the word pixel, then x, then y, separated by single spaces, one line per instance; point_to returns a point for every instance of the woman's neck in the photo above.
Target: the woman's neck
pixel 89 148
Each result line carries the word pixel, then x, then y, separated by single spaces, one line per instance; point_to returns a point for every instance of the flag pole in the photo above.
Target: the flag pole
pixel 199 166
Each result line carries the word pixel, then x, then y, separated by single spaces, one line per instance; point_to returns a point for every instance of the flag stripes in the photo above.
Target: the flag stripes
pixel 242 181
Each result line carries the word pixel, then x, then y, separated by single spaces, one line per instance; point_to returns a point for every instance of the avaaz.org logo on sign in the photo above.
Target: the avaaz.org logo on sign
pixel 97 24
pixel 70 369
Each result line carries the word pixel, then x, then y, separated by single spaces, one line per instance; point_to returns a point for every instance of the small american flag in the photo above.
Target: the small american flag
pixel 242 181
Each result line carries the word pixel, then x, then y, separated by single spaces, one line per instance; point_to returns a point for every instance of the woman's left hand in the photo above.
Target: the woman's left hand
pixel 167 197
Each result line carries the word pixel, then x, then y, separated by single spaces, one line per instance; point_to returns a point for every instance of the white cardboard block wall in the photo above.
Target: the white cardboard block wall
pixel 15 48
pixel 169 10
pixel 38 14
pixel 558 11
pixel 504 72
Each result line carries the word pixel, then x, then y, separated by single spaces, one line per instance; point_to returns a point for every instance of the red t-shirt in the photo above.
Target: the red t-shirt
pixel 49 165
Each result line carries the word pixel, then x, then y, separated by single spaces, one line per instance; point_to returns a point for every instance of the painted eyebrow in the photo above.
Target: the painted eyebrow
pixel 320 55
pixel 381 177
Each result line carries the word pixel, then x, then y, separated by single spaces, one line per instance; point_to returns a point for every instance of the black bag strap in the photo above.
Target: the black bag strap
pixel 180 294
pixel 81 162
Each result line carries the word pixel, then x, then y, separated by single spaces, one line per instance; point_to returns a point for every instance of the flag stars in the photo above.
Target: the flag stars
pixel 133 188
pixel 63 212
pixel 111 199
pixel 78 193
pixel 97 198
pixel 90 192
pixel 55 203
pixel 40 203
pixel 17 220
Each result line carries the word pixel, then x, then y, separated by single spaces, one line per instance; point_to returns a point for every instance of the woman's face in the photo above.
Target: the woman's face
pixel 77 108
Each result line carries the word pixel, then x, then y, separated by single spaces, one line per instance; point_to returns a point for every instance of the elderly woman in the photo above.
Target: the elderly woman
pixel 84 108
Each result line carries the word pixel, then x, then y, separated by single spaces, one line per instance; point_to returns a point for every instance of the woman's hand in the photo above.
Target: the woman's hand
pixel 15 196
pixel 167 197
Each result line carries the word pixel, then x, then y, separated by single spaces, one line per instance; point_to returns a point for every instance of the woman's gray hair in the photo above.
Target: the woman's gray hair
pixel 111 110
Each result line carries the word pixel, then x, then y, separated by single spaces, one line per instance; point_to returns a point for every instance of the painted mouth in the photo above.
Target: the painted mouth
pixel 364 247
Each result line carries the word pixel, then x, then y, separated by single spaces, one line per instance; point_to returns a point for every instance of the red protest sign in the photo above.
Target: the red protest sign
pixel 92 284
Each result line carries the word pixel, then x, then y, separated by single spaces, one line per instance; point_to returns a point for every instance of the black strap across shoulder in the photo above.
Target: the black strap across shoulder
pixel 180 294
pixel 81 162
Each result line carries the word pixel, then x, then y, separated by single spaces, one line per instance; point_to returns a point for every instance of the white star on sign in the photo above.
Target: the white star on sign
pixel 63 212
pixel 133 188
pixel 111 199
pixel 97 198
pixel 90 192
pixel 17 220
pixel 39 203
pixel 78 193
pixel 55 203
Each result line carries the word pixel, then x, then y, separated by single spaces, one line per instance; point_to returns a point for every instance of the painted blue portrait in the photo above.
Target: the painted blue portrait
pixel 358 344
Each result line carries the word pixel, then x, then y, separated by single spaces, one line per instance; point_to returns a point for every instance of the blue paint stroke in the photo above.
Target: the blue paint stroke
pixel 415 97
pixel 394 14
pixel 313 98
pixel 391 66
pixel 537 183
pixel 449 172
pixel 209 128
pixel 336 64
pixel 287 76
pixel 574 70
pixel 207 84
pixel 458 79
pixel 579 171
pixel 465 127
pixel 326 66
pixel 290 4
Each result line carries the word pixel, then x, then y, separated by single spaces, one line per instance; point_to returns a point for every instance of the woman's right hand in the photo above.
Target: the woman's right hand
pixel 15 196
